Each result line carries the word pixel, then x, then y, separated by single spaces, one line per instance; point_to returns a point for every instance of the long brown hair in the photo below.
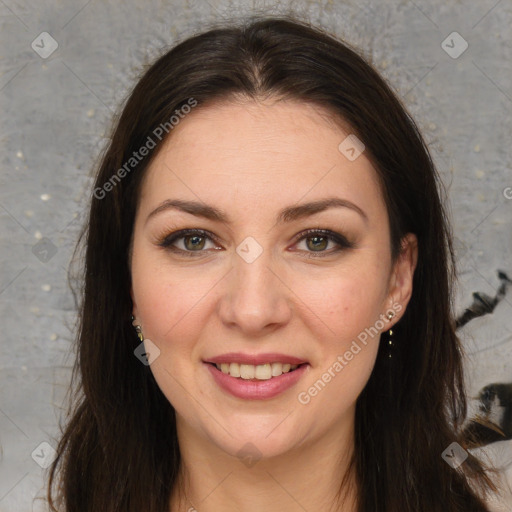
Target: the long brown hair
pixel 119 449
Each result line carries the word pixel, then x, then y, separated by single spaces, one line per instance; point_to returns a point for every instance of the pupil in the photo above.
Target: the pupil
pixel 194 244
pixel 316 238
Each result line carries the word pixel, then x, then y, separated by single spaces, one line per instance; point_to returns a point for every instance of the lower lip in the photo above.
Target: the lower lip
pixel 256 389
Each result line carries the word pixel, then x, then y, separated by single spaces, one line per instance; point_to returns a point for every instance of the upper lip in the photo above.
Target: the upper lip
pixel 254 359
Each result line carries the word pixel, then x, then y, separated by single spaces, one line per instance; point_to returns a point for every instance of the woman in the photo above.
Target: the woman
pixel 266 320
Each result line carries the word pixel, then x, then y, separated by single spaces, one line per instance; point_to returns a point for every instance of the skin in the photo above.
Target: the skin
pixel 251 159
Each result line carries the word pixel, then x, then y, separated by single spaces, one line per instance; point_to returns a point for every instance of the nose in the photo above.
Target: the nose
pixel 256 299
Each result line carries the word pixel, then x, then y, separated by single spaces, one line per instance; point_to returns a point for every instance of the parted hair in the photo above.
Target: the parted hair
pixel 118 450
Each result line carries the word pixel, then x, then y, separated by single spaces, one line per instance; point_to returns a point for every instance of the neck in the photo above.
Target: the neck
pixel 305 478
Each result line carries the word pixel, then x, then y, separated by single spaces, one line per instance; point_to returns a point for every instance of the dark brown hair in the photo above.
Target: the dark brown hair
pixel 119 450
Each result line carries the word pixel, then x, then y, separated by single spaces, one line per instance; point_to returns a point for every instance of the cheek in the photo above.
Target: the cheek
pixel 165 297
pixel 168 305
pixel 346 302
pixel 347 343
pixel 348 305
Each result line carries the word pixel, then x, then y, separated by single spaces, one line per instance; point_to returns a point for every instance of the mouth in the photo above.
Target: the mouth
pixel 260 377
pixel 266 371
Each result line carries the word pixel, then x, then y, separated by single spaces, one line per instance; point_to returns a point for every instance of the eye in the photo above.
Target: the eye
pixel 194 241
pixel 318 239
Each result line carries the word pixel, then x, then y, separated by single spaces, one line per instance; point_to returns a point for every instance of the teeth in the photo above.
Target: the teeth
pixel 247 371
pixel 277 369
pixel 234 369
pixel 261 371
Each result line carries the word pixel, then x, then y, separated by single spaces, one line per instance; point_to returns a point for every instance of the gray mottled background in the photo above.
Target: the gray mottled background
pixel 55 114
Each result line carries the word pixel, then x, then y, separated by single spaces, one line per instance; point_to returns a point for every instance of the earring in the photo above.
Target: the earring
pixel 138 329
pixel 390 341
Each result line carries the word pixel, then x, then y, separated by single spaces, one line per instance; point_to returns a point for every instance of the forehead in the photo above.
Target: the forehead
pixel 259 154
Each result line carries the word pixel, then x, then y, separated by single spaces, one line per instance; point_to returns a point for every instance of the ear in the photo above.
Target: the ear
pixel 400 283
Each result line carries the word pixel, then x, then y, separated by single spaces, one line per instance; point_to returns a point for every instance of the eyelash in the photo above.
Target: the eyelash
pixel 337 238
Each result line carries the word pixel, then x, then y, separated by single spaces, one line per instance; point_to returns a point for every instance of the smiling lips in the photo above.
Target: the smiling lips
pixel 257 366
pixel 256 377
pixel 260 372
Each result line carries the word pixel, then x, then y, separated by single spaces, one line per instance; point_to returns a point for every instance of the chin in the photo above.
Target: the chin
pixel 253 448
pixel 253 436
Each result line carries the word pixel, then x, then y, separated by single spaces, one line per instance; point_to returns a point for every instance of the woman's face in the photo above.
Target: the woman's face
pixel 252 289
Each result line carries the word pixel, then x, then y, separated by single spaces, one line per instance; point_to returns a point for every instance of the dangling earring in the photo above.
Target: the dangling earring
pixel 389 337
pixel 138 329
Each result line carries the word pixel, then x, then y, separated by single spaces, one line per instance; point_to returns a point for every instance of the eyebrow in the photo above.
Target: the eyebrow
pixel 288 214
